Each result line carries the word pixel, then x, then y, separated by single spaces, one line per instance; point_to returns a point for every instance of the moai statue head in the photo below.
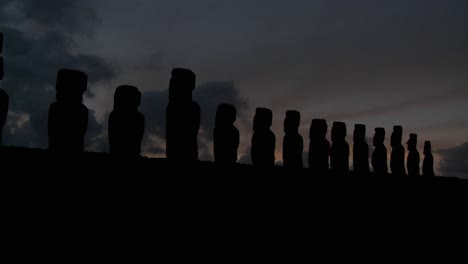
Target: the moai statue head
pixel 292 121
pixel 397 136
pixel 413 141
pixel 262 120
pixel 181 85
pixel 71 86
pixel 379 136
pixel 318 129
pixel 127 98
pixel 225 115
pixel 427 148
pixel 359 133
pixel 338 131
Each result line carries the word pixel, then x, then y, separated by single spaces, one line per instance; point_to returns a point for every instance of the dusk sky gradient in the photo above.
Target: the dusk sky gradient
pixel 378 63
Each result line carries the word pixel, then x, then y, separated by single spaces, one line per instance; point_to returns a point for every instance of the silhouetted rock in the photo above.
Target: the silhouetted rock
pixel 397 158
pixel 126 123
pixel 182 117
pixel 339 151
pixel 1 42
pixel 379 156
pixel 293 144
pixel 68 117
pixel 413 156
pixel 263 139
pixel 360 150
pixel 225 135
pixel 319 147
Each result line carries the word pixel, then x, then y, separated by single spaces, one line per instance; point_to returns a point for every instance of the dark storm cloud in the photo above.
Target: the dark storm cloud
pixel 69 16
pixel 454 161
pixel 32 60
pixel 208 96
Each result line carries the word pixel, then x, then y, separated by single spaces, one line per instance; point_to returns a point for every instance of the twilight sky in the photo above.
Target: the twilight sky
pixel 379 63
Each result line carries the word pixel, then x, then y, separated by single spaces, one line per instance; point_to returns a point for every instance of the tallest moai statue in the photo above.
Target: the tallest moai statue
pixel 4 99
pixel 182 117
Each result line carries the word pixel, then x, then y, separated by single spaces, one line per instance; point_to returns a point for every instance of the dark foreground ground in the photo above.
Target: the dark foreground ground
pixel 105 173
pixel 96 203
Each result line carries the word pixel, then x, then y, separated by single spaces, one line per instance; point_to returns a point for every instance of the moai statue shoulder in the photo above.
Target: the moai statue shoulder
pixel 225 135
pixel 339 152
pixel 379 156
pixel 413 156
pixel 68 116
pixel 182 117
pixel 360 150
pixel 263 139
pixel 319 147
pixel 293 144
pixel 126 123
pixel 428 163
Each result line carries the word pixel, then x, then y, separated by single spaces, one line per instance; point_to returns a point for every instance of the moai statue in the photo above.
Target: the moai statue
pixel 4 99
pixel 360 150
pixel 263 139
pixel 339 151
pixel 225 135
pixel 319 147
pixel 68 116
pixel 413 156
pixel 397 158
pixel 379 157
pixel 293 145
pixel 182 117
pixel 126 123
pixel 428 163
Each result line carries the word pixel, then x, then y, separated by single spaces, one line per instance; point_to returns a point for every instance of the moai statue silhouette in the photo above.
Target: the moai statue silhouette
pixel 397 158
pixel 263 139
pixel 413 156
pixel 182 117
pixel 126 123
pixel 4 99
pixel 68 116
pixel 339 151
pixel 379 156
pixel 293 144
pixel 428 163
pixel 319 147
pixel 225 135
pixel 360 150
